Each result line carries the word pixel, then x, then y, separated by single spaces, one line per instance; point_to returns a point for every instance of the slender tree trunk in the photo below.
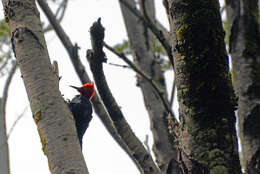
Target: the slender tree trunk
pixel 54 121
pixel 141 42
pixel 4 147
pixel 4 152
pixel 207 103
pixel 245 51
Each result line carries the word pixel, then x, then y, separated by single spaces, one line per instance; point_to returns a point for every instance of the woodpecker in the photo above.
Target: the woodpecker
pixel 81 108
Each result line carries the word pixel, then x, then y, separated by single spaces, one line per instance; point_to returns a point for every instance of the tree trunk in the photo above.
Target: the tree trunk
pixel 4 152
pixel 54 121
pixel 245 51
pixel 141 43
pixel 208 143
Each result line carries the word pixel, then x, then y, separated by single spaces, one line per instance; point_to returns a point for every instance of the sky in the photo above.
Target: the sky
pixel 101 152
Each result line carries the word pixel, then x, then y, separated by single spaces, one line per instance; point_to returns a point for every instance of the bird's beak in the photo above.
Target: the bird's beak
pixel 77 88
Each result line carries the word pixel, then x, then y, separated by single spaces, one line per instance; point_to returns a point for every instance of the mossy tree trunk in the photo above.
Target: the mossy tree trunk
pixel 244 46
pixel 54 120
pixel 208 143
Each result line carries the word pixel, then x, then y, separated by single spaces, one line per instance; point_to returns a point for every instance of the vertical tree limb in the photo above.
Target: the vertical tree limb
pixel 4 150
pixel 243 22
pixel 150 24
pixel 6 87
pixel 96 57
pixel 52 116
pixel 141 41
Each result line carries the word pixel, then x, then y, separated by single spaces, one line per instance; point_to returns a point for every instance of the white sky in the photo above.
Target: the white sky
pixel 101 152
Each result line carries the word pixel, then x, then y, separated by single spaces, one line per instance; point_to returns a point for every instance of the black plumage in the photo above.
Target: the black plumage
pixel 81 109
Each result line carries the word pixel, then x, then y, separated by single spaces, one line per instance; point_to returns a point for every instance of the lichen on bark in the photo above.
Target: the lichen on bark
pixel 205 94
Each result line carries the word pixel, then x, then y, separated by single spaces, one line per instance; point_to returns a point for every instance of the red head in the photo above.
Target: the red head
pixel 87 90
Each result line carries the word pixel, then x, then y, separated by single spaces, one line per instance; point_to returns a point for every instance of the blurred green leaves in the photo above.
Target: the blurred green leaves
pixel 4 29
pixel 123 47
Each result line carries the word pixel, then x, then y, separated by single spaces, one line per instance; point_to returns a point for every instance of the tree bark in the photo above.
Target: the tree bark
pixel 245 51
pixel 96 57
pixel 208 142
pixel 54 121
pixel 141 43
pixel 4 151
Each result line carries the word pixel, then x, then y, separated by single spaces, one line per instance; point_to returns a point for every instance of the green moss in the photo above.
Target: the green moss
pixel 203 57
pixel 200 136
pixel 180 31
pixel 37 117
pixel 228 138
pixel 212 133
pixel 219 170
pixel 43 141
pixel 215 153
pixel 6 19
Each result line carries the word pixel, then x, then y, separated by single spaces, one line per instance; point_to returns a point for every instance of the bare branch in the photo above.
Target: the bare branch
pixel 4 151
pixel 146 143
pixel 166 6
pixel 172 92
pixel 122 66
pixel 62 8
pixel 223 8
pixel 159 34
pixel 145 76
pixel 96 57
pixel 6 87
pixel 3 65
pixel 7 57
pixel 56 26
pixel 16 121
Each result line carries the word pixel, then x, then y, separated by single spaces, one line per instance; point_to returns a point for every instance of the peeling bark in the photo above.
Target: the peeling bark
pixel 245 51
pixel 208 143
pixel 53 119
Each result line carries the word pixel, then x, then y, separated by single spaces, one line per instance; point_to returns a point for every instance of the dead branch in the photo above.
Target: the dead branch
pixel 145 76
pixel 96 57
pixel 159 34
pixel 61 10
pixel 6 87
